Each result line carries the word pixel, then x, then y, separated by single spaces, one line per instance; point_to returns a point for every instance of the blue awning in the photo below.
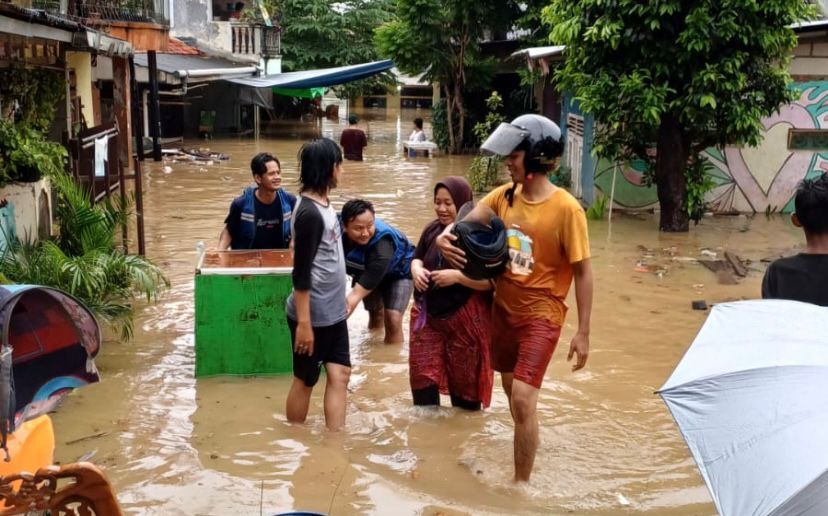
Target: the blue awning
pixel 316 78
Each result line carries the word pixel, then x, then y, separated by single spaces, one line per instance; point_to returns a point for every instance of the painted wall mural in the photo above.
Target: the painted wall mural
pixel 747 179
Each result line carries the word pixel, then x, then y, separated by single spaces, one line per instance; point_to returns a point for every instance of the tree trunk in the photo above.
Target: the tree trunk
pixel 672 151
pixel 458 100
pixel 450 121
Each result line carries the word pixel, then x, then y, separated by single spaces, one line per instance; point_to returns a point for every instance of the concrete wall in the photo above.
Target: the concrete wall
pixel 142 36
pixel 271 66
pixel 27 212
pixel 191 18
pixel 810 61
pixel 748 179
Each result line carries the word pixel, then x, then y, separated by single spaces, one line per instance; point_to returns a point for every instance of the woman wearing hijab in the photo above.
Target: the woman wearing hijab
pixel 450 319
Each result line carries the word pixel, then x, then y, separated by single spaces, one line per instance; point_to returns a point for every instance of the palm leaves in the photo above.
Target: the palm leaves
pixel 84 259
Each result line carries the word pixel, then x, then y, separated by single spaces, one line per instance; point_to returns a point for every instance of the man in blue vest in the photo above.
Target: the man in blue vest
pixel 378 257
pixel 260 217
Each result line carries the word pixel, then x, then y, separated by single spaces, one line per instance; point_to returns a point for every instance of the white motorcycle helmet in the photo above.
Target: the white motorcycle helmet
pixel 536 134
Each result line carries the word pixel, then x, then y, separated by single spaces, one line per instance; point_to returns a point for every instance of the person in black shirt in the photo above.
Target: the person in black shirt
pixel 260 217
pixel 804 277
pixel 378 257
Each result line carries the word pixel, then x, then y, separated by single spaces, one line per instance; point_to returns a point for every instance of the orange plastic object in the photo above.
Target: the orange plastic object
pixel 31 447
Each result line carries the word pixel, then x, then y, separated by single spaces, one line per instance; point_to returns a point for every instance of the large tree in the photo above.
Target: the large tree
pixel 678 75
pixel 440 39
pixel 329 33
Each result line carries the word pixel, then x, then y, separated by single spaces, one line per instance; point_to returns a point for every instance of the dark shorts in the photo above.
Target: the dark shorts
pixel 522 346
pixel 330 345
pixel 390 295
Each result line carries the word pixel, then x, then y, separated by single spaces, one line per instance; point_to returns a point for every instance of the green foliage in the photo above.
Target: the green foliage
pixel 562 178
pixel 31 96
pixel 29 99
pixel 440 39
pixel 494 118
pixel 439 124
pixel 697 74
pixel 598 208
pixel 482 173
pixel 24 148
pixel 699 183
pixel 84 259
pixel 329 33
pixel 84 226
pixel 523 98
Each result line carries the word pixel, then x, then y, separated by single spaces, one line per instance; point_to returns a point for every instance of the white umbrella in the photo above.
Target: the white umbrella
pixel 750 397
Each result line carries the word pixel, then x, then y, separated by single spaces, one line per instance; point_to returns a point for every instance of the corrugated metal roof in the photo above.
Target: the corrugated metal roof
pixel 317 78
pixel 538 52
pixel 810 26
pixel 39 16
pixel 171 63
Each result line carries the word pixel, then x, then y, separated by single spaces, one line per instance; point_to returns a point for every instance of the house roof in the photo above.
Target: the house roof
pixel 39 17
pixel 317 78
pixel 539 52
pixel 174 68
pixel 178 47
pixel 810 26
pixel 38 23
pixel 409 80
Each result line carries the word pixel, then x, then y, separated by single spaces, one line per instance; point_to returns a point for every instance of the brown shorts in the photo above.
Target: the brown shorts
pixel 522 346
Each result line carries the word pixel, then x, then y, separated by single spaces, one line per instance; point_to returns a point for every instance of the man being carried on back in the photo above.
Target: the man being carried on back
pixel 378 257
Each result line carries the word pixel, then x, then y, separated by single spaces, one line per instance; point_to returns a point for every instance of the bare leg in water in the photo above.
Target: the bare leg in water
pixel 375 318
pixel 336 394
pixel 523 403
pixel 393 327
pixel 336 390
pixel 298 401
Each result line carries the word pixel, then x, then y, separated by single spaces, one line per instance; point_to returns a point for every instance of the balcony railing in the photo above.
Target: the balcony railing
pixel 271 41
pixel 144 11
pixel 247 39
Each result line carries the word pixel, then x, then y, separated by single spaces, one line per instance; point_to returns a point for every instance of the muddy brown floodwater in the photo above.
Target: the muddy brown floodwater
pixel 172 444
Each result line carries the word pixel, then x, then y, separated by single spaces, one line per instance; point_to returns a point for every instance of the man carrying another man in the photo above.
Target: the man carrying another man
pixel 260 217
pixel 378 257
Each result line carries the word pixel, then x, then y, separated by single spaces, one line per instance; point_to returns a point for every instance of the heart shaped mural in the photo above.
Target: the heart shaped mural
pixel 768 174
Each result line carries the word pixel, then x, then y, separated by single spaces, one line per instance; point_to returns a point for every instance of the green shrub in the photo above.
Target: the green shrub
pixel 562 178
pixel 598 209
pixel 482 173
pixel 84 259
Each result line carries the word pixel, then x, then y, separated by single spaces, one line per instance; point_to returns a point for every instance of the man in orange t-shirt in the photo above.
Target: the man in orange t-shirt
pixel 548 247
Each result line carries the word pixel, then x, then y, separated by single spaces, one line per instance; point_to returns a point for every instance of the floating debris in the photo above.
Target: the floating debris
pixel 699 305
pixel 202 155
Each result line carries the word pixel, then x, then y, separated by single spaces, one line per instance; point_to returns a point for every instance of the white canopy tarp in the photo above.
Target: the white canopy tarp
pixel 750 397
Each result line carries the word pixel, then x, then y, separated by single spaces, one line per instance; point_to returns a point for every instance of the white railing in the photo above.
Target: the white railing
pixel 245 39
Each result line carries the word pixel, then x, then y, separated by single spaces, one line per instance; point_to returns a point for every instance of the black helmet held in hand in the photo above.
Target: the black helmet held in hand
pixel 485 247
